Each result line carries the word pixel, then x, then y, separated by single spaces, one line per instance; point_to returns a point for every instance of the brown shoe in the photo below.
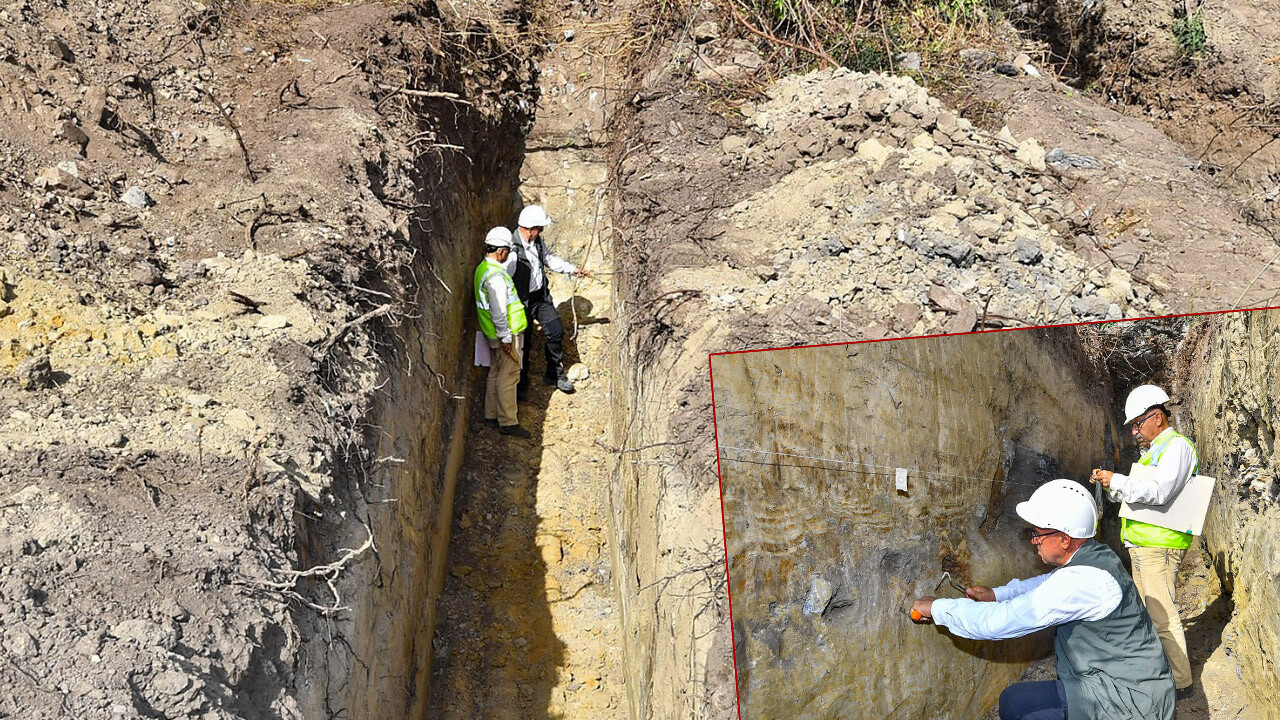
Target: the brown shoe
pixel 515 431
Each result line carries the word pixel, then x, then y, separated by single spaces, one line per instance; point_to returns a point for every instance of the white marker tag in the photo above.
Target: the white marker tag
pixel 901 479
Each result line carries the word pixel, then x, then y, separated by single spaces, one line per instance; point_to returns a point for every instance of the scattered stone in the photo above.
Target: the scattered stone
pixel 978 59
pixel 35 373
pixel 22 644
pixel 1091 306
pixel 238 419
pixel 905 317
pixel 1031 154
pixel 70 132
pixel 963 321
pixel 106 436
pixel 136 197
pixel 706 31
pixel 170 682
pixel 948 300
pixel 569 35
pixel 94 109
pixel 1028 250
pixel 909 61
pixel 579 372
pixel 820 592
pixel 1061 160
pixel 1007 70
pixel 733 144
pixel 144 274
pixel 55 178
pixel 145 633
pixel 59 50
pixel 199 401
pixel 273 322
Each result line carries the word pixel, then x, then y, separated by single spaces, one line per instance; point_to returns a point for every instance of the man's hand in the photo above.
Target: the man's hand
pixel 1101 476
pixel 509 349
pixel 924 607
pixel 583 272
pixel 981 593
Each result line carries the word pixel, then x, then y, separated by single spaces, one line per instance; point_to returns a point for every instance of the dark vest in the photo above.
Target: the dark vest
pixel 1113 668
pixel 524 271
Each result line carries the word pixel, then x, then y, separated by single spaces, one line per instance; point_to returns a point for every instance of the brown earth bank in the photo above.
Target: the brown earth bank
pixel 236 237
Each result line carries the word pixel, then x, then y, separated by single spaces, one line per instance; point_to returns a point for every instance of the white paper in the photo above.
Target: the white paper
pixel 901 479
pixel 1184 513
pixel 483 356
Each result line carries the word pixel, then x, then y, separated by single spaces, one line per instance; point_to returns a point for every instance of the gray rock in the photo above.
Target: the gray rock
pixel 1007 69
pixel 905 316
pixel 59 50
pixel 820 592
pixel 831 246
pixel 1028 251
pixel 35 373
pixel 948 300
pixel 706 31
pixel 733 144
pixel 70 132
pixel 909 61
pixel 1093 306
pixel 145 633
pixel 94 110
pixel 136 197
pixel 144 274
pixel 963 321
pixel 170 682
pixel 959 251
pixel 1061 160
pixel 978 58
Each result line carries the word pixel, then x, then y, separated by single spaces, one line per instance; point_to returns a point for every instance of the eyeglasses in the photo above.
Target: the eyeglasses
pixel 1138 423
pixel 1035 537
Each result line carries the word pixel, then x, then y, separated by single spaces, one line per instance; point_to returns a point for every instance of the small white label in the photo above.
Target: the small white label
pixel 901 480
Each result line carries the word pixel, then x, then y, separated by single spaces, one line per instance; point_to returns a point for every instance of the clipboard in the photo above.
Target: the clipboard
pixel 1184 513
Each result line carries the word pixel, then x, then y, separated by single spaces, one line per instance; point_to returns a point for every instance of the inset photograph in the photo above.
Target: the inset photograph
pixel 1072 521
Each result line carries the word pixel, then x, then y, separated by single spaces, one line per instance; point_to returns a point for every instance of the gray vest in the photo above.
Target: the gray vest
pixel 1113 668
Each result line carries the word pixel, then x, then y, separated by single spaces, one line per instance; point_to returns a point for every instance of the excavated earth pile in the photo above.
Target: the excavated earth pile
pixel 766 221
pixel 236 241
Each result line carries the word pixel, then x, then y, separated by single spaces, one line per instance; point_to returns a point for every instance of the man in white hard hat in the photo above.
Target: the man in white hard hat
pixel 1110 663
pixel 502 320
pixel 1156 551
pixel 528 265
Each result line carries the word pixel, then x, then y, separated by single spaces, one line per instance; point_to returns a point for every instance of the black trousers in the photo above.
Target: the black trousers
pixel 542 308
pixel 1040 700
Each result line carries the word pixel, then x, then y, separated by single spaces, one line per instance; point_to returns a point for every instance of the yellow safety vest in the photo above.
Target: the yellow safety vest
pixel 1148 535
pixel 516 320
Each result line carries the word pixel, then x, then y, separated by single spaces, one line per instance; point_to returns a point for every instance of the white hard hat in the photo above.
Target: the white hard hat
pixel 498 237
pixel 1061 505
pixel 1142 399
pixel 533 216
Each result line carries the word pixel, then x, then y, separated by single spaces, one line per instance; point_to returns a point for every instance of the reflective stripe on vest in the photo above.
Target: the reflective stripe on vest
pixel 516 320
pixel 1148 535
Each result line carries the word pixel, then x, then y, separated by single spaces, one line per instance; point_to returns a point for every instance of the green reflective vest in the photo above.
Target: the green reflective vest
pixel 1148 535
pixel 516 320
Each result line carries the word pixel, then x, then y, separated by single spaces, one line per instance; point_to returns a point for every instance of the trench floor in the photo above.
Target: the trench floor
pixel 529 626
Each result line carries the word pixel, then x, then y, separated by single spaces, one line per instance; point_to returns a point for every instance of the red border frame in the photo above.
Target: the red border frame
pixel 724 532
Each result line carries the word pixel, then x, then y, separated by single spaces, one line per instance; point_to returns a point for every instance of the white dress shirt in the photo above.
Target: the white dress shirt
pixel 1172 473
pixel 1025 606
pixel 536 277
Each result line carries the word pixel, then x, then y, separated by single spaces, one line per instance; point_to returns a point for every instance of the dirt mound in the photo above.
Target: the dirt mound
pixel 213 220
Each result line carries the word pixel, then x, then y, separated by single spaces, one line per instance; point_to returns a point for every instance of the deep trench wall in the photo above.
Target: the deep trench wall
pixel 825 557
pixel 1230 409
pixel 418 425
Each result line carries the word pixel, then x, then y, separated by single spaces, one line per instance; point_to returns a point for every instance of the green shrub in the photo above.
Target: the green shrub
pixel 1188 32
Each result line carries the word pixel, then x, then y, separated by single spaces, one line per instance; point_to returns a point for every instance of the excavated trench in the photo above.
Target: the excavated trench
pixel 493 590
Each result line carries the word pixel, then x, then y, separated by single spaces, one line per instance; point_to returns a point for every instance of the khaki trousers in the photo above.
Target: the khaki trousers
pixel 500 387
pixel 1154 571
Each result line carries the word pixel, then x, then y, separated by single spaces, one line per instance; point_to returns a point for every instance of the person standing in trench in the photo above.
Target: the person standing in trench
pixel 528 265
pixel 502 320
pixel 1156 551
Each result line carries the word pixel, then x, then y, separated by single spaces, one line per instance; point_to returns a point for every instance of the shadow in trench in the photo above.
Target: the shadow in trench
pixel 497 653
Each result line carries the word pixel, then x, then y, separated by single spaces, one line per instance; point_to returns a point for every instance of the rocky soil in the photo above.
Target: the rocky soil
pixel 210 224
